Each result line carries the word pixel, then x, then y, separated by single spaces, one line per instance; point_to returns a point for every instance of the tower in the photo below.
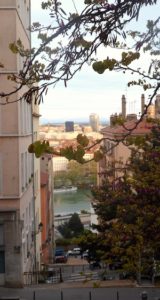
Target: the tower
pixel 94 122
pixel 142 103
pixel 69 126
pixel 123 106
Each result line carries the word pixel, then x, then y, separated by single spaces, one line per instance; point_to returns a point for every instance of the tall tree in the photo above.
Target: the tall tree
pixel 72 228
pixel 129 210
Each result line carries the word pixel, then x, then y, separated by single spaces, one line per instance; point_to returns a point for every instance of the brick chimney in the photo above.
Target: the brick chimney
pixel 142 103
pixel 123 106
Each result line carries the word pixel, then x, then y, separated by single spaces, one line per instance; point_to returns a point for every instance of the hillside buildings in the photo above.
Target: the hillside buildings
pixel 115 132
pixel 58 138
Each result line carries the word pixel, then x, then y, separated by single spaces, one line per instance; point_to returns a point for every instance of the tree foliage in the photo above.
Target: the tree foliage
pixel 72 228
pixel 72 152
pixel 73 38
pixel 77 175
pixel 128 209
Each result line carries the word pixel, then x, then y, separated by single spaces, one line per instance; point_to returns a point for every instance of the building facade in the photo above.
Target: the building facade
pixel 94 122
pixel 117 152
pixel 16 164
pixel 47 210
pixel 36 234
pixel 69 126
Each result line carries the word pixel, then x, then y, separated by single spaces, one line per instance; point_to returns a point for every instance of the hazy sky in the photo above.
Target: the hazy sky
pixel 89 92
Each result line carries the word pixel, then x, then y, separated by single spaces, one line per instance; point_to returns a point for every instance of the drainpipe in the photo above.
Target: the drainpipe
pixel 33 168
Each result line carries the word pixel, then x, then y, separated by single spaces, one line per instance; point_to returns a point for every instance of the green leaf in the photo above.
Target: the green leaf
pixel 82 140
pixel 14 48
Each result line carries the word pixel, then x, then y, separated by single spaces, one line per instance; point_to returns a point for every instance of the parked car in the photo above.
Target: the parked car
pixel 60 259
pixel 69 253
pixel 60 256
pixel 76 251
pixel 84 255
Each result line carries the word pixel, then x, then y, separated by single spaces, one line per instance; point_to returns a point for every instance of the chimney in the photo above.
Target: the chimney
pixel 142 103
pixel 123 107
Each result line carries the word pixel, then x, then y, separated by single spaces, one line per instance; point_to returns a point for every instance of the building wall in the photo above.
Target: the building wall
pixel 13 267
pixel 16 186
pixel 47 209
pixel 60 163
pixel 94 122
pixel 37 192
pixel 10 251
pixel 120 152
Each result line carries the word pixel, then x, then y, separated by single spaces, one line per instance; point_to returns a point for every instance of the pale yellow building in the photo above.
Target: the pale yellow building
pixel 17 167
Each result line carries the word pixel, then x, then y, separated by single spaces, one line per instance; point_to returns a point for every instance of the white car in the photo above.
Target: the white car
pixel 76 251
pixel 69 253
pixel 85 255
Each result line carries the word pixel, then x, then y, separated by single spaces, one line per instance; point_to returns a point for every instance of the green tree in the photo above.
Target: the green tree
pixel 77 175
pixel 128 209
pixel 72 228
pixel 75 224
pixel 90 241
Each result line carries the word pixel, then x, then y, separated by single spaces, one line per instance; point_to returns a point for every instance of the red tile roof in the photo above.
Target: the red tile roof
pixel 142 128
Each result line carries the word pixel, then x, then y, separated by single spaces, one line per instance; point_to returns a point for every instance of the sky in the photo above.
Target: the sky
pixel 89 92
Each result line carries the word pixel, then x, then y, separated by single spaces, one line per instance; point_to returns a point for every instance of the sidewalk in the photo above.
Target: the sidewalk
pixel 88 284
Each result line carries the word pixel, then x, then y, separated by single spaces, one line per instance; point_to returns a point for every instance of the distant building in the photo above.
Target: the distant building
pixel 60 163
pixel 120 152
pixel 94 122
pixel 69 126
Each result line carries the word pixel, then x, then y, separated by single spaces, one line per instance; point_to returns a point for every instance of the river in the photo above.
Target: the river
pixel 71 202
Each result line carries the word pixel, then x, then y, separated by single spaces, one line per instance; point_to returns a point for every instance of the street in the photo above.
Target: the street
pixel 111 293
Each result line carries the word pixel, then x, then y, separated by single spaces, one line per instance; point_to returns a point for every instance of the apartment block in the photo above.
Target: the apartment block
pixel 16 164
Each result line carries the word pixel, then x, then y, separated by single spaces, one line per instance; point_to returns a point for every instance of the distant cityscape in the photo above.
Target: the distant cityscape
pixel 45 121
